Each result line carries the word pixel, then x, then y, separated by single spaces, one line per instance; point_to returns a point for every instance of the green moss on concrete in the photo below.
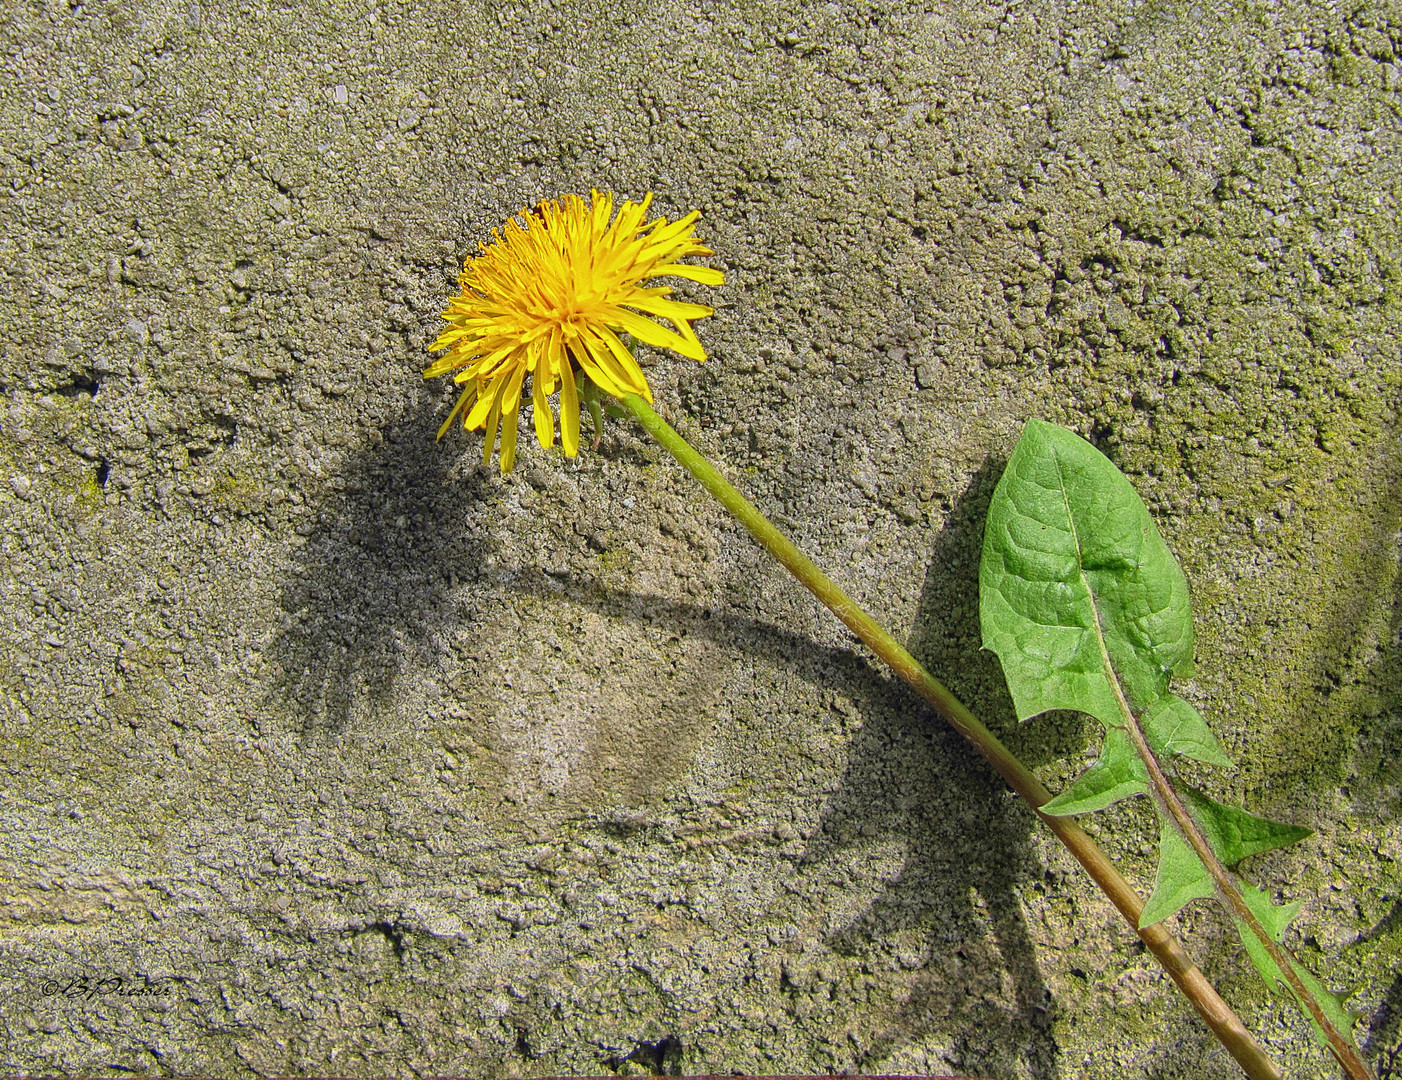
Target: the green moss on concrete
pixel 239 492
pixel 1175 231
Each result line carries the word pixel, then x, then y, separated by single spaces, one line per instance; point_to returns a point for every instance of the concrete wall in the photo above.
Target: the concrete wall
pixel 376 762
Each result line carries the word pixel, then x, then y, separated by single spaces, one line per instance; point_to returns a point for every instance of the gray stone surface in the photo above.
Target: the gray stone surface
pixel 376 762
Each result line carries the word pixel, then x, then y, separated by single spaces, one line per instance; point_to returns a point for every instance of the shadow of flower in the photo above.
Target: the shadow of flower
pixel 370 586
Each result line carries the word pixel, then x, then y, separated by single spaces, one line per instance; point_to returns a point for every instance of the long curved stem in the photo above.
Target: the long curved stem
pixel 1215 1012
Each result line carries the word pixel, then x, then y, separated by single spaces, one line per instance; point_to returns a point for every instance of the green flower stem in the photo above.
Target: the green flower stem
pixel 1165 947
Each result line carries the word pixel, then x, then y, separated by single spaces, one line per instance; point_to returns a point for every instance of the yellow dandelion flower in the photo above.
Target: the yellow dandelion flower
pixel 552 292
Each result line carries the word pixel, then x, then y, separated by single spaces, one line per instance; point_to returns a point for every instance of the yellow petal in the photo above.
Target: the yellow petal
pixel 508 439
pixel 464 399
pixel 554 361
pixel 488 402
pixel 493 419
pixel 706 275
pixel 637 381
pixel 448 336
pixel 603 210
pixel 647 331
pixel 569 411
pixel 544 422
pixel 488 366
pixel 675 311
pixel 598 363
pixel 441 367
pixel 511 395
pixel 664 234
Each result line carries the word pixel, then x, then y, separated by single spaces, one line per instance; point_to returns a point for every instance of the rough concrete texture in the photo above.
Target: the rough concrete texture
pixel 375 762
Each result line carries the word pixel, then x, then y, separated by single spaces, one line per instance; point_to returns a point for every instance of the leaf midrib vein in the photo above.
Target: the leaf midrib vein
pixel 1112 676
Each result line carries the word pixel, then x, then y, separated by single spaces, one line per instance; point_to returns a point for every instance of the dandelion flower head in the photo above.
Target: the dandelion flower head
pixel 551 293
